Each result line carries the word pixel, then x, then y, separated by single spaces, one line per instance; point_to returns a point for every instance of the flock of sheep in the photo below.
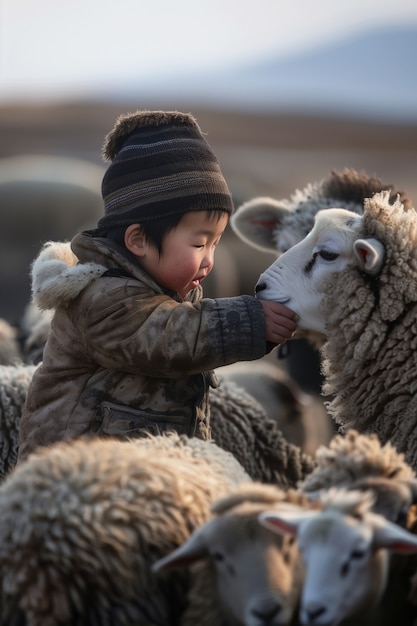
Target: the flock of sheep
pixel 252 528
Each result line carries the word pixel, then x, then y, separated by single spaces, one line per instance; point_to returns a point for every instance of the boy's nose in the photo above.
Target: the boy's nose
pixel 208 260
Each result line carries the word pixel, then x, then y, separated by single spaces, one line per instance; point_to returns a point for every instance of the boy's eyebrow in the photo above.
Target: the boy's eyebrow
pixel 206 231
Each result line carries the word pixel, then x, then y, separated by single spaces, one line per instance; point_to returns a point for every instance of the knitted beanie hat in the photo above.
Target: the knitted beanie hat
pixel 160 165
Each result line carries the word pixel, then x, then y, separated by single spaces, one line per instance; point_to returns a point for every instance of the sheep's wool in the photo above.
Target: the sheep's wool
pixel 82 522
pixel 370 356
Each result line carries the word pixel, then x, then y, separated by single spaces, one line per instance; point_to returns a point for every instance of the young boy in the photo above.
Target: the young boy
pixel 132 343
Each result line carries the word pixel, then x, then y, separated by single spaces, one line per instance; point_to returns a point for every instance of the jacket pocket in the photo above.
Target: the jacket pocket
pixel 124 421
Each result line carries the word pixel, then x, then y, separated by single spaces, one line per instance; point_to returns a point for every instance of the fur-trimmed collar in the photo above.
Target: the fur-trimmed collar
pixel 58 277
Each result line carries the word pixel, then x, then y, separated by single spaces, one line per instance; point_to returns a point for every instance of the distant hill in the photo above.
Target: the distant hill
pixel 371 74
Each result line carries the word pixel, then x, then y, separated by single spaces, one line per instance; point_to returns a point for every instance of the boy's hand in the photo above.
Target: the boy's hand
pixel 280 321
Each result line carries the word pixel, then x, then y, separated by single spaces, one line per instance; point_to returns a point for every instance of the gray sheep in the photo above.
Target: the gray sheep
pixel 81 524
pixel 277 225
pixel 240 425
pixel 14 383
pixel 301 417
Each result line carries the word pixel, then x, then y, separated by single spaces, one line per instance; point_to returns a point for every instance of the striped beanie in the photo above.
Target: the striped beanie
pixel 160 165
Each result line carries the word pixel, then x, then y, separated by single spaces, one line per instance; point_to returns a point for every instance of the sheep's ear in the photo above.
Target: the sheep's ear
pixel 192 550
pixel 370 253
pixel 255 222
pixel 394 538
pixel 285 521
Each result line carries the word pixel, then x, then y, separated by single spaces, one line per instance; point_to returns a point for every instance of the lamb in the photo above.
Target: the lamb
pixel 231 545
pixel 354 279
pixel 83 522
pixel 345 548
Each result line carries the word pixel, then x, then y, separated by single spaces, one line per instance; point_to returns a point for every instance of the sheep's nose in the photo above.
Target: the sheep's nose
pixel 314 612
pixel 261 286
pixel 267 612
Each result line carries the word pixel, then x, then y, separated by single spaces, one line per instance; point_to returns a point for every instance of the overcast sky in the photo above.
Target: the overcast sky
pixel 50 48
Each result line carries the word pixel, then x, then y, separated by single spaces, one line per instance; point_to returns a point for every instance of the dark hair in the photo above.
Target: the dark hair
pixel 153 230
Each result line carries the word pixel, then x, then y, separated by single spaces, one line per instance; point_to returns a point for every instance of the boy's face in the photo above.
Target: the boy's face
pixel 187 252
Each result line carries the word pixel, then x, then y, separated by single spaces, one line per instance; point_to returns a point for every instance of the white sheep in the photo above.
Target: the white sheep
pixel 257 580
pixel 358 461
pixel 345 548
pixel 276 225
pixel 83 522
pixel 354 279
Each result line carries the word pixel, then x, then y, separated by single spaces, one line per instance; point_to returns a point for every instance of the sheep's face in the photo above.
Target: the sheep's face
pixel 346 559
pixel 300 276
pixel 258 578
pixel 344 573
pixel 258 574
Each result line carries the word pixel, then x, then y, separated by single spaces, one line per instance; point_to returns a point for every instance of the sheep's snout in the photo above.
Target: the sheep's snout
pixel 313 614
pixel 266 614
pixel 268 611
pixel 260 286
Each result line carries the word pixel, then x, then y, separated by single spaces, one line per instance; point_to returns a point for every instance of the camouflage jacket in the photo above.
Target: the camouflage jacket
pixel 124 356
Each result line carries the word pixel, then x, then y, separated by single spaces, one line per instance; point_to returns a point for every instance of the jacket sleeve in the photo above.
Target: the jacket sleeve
pixel 158 336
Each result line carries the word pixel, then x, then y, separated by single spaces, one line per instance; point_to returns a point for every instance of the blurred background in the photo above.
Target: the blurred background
pixel 285 91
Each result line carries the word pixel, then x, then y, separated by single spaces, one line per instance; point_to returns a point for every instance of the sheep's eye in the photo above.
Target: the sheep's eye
pixel 358 554
pixel 218 556
pixel 327 255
